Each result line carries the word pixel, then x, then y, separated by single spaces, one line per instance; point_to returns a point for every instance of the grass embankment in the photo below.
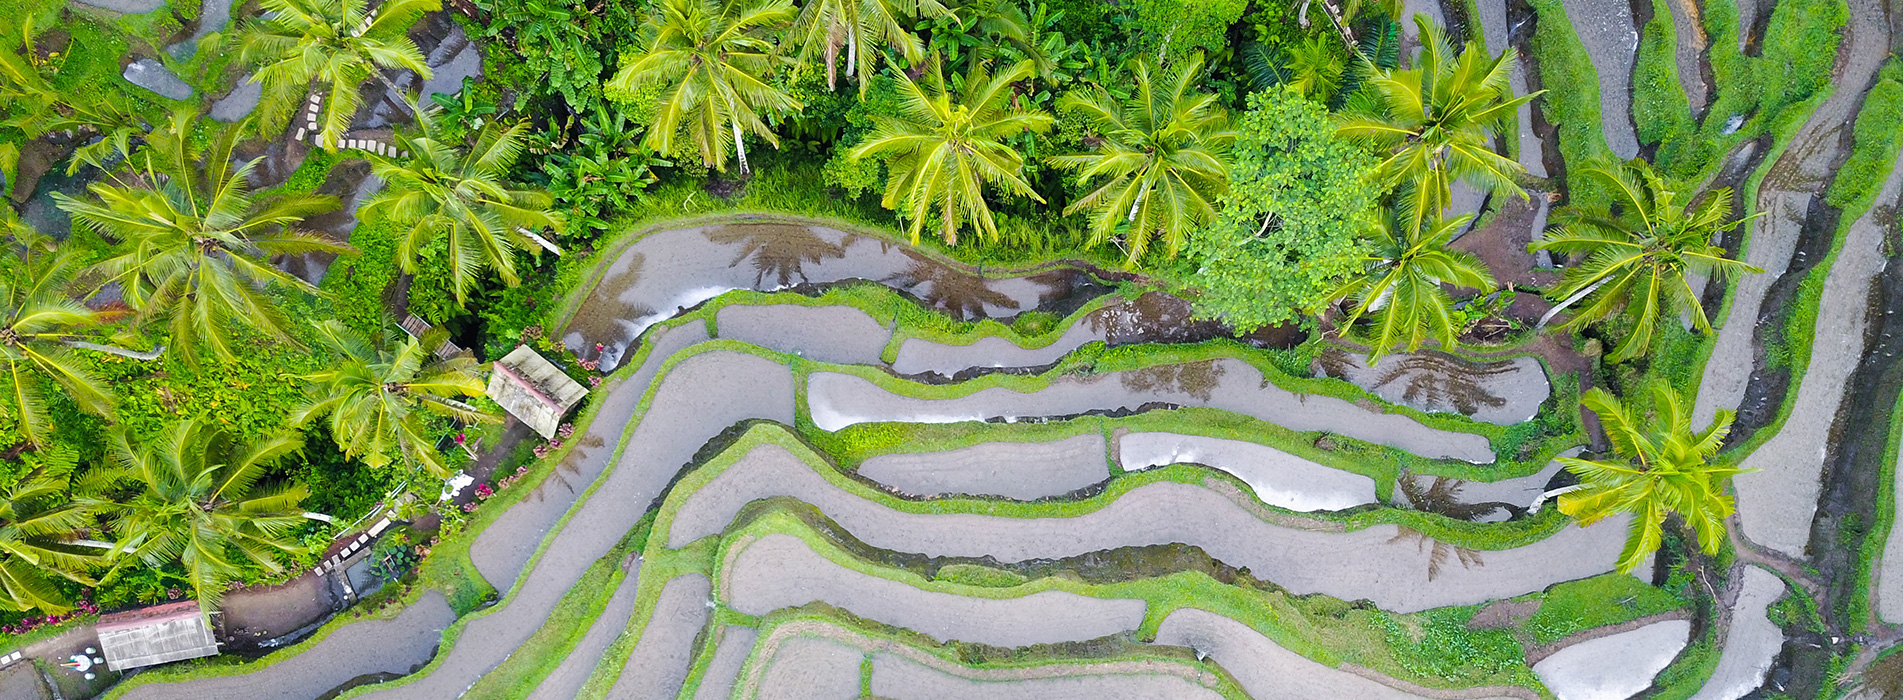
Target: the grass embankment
pixel 1793 66
pixel 1574 110
pixel 1433 647
pixel 1660 107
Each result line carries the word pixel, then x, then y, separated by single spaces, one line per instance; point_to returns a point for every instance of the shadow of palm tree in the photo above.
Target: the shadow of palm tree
pixel 781 251
pixel 1440 496
pixel 955 292
pixel 1197 379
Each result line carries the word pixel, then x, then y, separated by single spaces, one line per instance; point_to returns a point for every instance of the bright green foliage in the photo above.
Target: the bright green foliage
pixel 1297 202
pixel 455 198
pixel 200 500
pixel 1438 119
pixel 1315 67
pixel 377 394
pixel 39 317
pixel 557 48
pixel 947 143
pixel 996 30
pixel 862 29
pixel 335 43
pixel 1668 470
pixel 195 244
pixel 1637 259
pixel 38 523
pixel 36 107
pixel 716 60
pixel 1162 155
pixel 1177 29
pixel 1660 107
pixel 1401 286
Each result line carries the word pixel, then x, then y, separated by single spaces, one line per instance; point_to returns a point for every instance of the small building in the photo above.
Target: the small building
pixel 155 635
pixel 533 389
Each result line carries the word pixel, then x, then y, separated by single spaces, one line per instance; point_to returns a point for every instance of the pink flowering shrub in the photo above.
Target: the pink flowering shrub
pixel 80 609
pixel 566 430
pixel 469 507
pixel 541 451
pixel 483 492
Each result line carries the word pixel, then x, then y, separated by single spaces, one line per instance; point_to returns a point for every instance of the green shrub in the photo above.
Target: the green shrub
pixel 1576 606
pixel 978 575
pixel 1660 109
pixel 1878 132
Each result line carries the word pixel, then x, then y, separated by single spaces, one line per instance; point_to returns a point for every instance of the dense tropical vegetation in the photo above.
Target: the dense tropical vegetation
pixel 183 397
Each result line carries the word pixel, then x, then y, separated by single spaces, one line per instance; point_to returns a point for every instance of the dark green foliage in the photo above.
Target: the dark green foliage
pixel 342 488
pixel 1289 226
pixel 1174 29
pixel 356 284
pixel 595 168
pixel 557 49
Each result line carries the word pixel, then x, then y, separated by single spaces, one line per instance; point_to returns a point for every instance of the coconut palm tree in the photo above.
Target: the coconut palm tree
pixel 1666 469
pixel 441 192
pixel 333 43
pixel 947 143
pixel 1403 286
pixel 194 242
pixel 1437 120
pixel 377 392
pixel 37 108
pixel 198 498
pixel 1637 259
pixel 861 28
pixel 39 527
pixel 715 61
pixel 37 329
pixel 1163 156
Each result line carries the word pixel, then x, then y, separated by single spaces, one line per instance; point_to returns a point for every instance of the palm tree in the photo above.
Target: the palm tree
pixel 37 108
pixel 376 394
pixel 39 529
pixel 194 242
pixel 1666 469
pixel 942 148
pixel 200 500
pixel 1163 155
pixel 335 43
pixel 1002 24
pixel 1638 258
pixel 1438 119
pixel 37 327
pixel 1403 286
pixel 715 60
pixel 440 192
pixel 861 28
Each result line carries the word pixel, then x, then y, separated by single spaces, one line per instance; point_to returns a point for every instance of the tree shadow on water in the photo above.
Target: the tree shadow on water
pixel 777 250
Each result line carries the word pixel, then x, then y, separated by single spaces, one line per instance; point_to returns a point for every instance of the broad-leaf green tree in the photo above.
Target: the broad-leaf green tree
pixel 39 527
pixel 1666 469
pixel 198 497
pixel 443 194
pixel 1636 259
pixel 861 29
pixel 1402 286
pixel 337 44
pixel 194 242
pixel 1437 120
pixel 715 61
pixel 1162 155
pixel 1290 225
pixel 947 143
pixel 378 393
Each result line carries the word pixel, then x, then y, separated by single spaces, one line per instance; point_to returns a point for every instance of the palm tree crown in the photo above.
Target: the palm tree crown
pixel 376 394
pixel 1402 286
pixel 943 148
pixel 339 43
pixel 1667 469
pixel 1439 118
pixel 858 27
pixel 441 192
pixel 1162 155
pixel 194 242
pixel 1638 259
pixel 36 327
pixel 715 59
pixel 39 524
pixel 200 501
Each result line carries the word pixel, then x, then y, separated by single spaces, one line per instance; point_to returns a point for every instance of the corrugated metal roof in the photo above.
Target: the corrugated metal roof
pixel 155 635
pixel 533 389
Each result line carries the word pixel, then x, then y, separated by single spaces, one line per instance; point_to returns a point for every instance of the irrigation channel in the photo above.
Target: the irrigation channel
pixel 827 464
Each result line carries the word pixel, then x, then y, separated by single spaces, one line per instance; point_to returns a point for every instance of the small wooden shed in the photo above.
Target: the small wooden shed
pixel 155 635
pixel 533 389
